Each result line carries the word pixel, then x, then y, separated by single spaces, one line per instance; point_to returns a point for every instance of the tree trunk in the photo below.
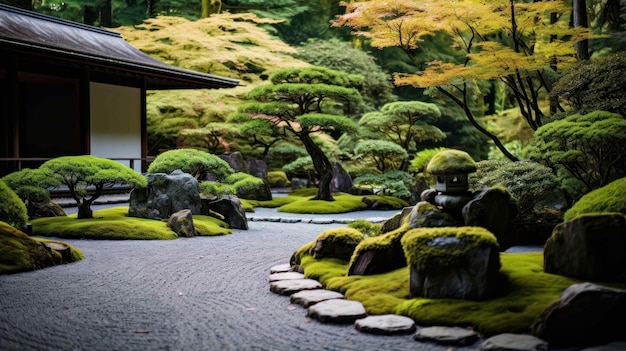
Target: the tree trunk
pixel 322 166
pixel 106 17
pixel 579 17
pixel 84 209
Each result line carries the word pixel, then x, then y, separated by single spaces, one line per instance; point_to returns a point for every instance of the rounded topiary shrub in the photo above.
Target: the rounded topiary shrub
pixel 278 179
pixel 195 162
pixel 12 208
pixel 609 198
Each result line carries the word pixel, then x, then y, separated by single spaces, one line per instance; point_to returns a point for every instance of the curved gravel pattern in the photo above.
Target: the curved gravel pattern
pixel 202 293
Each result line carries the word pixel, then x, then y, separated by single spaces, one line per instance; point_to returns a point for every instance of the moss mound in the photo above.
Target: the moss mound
pixel 114 224
pixel 22 253
pixel 609 198
pixel 12 208
pixel 451 162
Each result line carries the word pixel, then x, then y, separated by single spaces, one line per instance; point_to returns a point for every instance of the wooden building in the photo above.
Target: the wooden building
pixel 72 89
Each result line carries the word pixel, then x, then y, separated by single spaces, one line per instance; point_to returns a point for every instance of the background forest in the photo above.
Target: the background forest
pixel 504 79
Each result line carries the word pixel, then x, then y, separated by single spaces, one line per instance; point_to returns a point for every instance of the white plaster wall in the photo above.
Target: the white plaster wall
pixel 115 122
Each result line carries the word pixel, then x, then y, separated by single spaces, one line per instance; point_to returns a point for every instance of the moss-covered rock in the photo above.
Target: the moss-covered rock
pixel 379 254
pixel 452 262
pixel 609 198
pixel 451 162
pixel 278 179
pixel 22 253
pixel 332 243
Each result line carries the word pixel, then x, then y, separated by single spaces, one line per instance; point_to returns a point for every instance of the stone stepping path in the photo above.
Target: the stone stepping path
pixel 337 311
pixel 330 307
pixel 386 324
pixel 306 298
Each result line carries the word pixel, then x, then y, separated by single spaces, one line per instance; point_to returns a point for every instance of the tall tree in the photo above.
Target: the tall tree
pixel 307 102
pixel 513 41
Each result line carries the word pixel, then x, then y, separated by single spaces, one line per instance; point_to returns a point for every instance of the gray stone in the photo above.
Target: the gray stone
pixel 585 314
pixel 590 247
pixel 290 220
pixel 280 268
pixel 387 324
pixel 337 311
pixel 447 335
pixel 235 161
pixel 288 287
pixel 514 342
pixel 452 202
pixel 181 223
pixel 285 276
pixel 395 221
pixel 44 209
pixel 427 215
pixel 384 254
pixel 494 210
pixel 257 168
pixel 164 195
pixel 307 298
pixel 471 272
pixel 341 182
pixel 228 206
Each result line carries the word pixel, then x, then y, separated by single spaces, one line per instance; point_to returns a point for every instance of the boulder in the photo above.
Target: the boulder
pixel 235 161
pixel 395 221
pixel 229 207
pixel 181 223
pixel 447 335
pixel 494 209
pixel 589 247
pixel 386 324
pixel 427 215
pixel 585 314
pixel 165 195
pixel 379 254
pixel 336 243
pixel 44 209
pixel 257 168
pixel 341 182
pixel 459 263
pixel 540 210
pixel 337 311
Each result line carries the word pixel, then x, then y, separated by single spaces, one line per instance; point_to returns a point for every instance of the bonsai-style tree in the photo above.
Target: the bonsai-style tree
pixel 80 173
pixel 516 42
pixel 384 154
pixel 32 185
pixel 406 123
pixel 306 102
pixel 195 162
pixel 591 147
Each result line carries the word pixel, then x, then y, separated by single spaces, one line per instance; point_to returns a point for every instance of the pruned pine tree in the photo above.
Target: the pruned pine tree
pixel 307 102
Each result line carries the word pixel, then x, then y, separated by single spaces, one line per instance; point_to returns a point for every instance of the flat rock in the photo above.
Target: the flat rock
pixel 321 221
pixel 308 298
pixel 290 220
pixel 387 324
pixel 447 335
pixel 288 287
pixel 614 346
pixel 514 342
pixel 285 276
pixel 337 311
pixel 280 268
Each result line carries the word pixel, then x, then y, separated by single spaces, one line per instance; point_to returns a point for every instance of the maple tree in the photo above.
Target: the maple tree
pixel 512 41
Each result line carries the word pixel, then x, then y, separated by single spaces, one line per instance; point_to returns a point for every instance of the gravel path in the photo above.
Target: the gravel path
pixel 203 293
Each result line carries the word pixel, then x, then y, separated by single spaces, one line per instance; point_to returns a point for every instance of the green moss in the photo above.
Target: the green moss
pixel 345 235
pixel 22 253
pixel 367 228
pixel 210 226
pixel 380 242
pixel 451 162
pixel 609 198
pixel 278 179
pixel 421 255
pixel 528 292
pixel 12 208
pixel 113 223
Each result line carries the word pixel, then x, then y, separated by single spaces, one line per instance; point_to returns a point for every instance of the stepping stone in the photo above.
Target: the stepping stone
pixel 290 220
pixel 387 324
pixel 308 298
pixel 285 276
pixel 337 311
pixel 322 221
pixel 514 342
pixel 447 335
pixel 288 287
pixel 281 268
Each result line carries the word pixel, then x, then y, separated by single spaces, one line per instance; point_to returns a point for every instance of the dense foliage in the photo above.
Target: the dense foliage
pixel 12 209
pixel 195 162
pixel 609 198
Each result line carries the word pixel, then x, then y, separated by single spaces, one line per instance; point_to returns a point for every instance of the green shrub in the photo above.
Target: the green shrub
pixel 367 228
pixel 421 159
pixel 31 185
pixel 393 183
pixel 195 162
pixel 235 184
pixel 278 179
pixel 12 208
pixel 609 198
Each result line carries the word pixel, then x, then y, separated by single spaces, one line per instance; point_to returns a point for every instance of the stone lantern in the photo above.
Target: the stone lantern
pixel 451 169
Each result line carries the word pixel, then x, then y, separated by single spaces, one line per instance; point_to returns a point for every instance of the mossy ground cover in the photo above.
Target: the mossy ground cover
pixel 526 291
pixel 114 224
pixel 300 201
pixel 21 253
